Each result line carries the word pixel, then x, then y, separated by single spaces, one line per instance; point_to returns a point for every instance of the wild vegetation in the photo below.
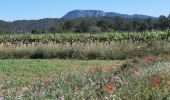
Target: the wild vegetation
pixel 139 78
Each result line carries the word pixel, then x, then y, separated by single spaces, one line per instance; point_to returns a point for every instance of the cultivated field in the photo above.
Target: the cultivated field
pixel 110 66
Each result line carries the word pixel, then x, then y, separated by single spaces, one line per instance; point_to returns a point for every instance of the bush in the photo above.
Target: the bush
pixel 39 53
pixel 65 53
pixel 94 29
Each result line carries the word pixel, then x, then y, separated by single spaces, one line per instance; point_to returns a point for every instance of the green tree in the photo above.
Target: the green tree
pixel 35 31
pixel 149 24
pixel 68 25
pixel 163 22
pixel 84 25
pixel 118 23
pixel 94 29
pixel 143 26
pixel 127 26
pixel 135 24
pixel 53 30
pixel 103 24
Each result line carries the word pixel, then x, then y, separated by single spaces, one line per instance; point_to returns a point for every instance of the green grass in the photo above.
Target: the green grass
pixel 85 79
pixel 74 82
pixel 24 71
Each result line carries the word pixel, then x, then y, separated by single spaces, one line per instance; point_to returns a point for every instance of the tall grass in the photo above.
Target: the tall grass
pixel 94 50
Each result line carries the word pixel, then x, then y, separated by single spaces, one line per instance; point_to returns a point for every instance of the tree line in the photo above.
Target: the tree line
pixel 106 24
pixel 86 25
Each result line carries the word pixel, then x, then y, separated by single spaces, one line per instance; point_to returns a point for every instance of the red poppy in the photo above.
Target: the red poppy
pixel 155 82
pixel 137 69
pixel 45 81
pixel 111 88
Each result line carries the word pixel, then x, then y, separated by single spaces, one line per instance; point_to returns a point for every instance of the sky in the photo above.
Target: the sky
pixel 11 10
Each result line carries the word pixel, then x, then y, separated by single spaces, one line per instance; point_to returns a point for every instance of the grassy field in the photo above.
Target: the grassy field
pixel 144 78
pixel 23 72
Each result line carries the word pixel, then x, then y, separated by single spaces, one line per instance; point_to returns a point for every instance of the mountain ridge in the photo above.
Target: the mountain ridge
pixel 99 13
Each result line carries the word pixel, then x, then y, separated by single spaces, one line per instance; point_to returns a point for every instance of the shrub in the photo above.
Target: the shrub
pixel 94 54
pixel 38 53
pixel 65 53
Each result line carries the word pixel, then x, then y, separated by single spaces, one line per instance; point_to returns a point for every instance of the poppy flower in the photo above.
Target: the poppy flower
pixel 45 81
pixel 137 69
pixel 111 88
pixel 155 82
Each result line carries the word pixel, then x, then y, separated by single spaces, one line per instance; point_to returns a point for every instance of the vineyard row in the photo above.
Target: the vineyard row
pixel 71 37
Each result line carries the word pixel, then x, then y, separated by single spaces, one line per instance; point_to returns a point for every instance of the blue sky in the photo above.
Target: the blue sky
pixel 36 9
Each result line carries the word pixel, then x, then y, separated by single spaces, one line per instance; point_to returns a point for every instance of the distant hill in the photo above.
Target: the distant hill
pixel 26 26
pixel 98 13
